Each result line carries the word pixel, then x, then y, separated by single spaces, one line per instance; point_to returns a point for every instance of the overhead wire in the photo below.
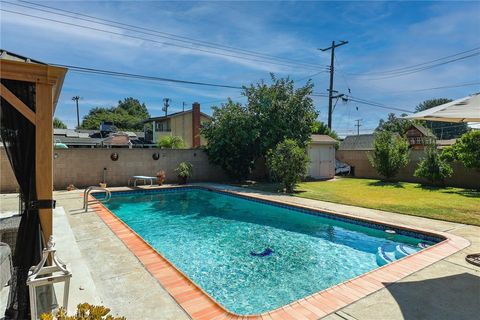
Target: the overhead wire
pixel 408 68
pixel 241 56
pixel 143 77
pixel 165 34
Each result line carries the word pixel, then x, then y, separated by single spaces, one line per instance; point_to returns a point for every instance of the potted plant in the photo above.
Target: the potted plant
pixel 184 171
pixel 160 177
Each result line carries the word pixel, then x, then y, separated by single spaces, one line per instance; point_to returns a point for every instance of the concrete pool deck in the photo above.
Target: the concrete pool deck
pixel 447 289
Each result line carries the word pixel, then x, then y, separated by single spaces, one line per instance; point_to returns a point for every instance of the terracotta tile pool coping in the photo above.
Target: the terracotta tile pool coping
pixel 200 305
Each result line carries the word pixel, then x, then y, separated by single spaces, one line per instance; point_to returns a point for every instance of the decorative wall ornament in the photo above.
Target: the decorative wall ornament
pixel 114 156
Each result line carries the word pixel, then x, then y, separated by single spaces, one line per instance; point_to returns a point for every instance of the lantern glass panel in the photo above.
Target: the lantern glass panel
pixel 46 299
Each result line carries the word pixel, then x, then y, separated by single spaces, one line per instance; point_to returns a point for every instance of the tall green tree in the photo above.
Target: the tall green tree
pixel 127 115
pixel 59 124
pixel 321 128
pixel 238 135
pixel 231 139
pixel 394 124
pixel 442 130
pixel 390 154
pixel 281 112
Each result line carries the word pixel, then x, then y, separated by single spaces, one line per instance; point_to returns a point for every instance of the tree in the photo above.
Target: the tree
pixel 394 124
pixel 433 167
pixel 442 130
pixel 231 139
pixel 390 154
pixel 171 142
pixel 127 115
pixel 238 135
pixel 59 124
pixel 321 128
pixel 466 150
pixel 288 163
pixel 281 112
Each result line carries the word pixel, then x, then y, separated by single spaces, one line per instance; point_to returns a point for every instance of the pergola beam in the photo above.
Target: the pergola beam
pixel 44 154
pixel 17 104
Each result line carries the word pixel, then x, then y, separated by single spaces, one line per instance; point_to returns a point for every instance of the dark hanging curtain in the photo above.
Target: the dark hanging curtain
pixel 18 136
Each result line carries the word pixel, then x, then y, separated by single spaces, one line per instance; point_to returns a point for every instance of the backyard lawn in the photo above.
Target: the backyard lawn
pixel 450 204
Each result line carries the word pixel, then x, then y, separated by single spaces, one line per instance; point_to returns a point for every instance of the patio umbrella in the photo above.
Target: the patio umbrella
pixel 462 110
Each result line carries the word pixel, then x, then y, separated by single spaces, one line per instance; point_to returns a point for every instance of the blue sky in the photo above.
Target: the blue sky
pixel 381 35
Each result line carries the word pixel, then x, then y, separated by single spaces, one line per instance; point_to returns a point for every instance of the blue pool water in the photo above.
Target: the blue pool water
pixel 251 256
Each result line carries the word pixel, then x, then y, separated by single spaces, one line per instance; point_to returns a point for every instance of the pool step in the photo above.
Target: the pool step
pixel 403 250
pixel 385 254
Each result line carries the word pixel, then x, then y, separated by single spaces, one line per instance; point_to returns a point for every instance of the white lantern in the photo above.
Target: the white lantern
pixel 41 279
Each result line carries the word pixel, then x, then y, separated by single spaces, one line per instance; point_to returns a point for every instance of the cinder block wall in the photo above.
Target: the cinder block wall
pixel 84 167
pixel 462 177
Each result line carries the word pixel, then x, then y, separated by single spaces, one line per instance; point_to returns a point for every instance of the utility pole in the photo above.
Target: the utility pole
pixel 358 125
pixel 331 91
pixel 76 98
pixel 166 104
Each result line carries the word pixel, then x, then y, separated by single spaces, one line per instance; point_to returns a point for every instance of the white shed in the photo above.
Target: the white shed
pixel 322 157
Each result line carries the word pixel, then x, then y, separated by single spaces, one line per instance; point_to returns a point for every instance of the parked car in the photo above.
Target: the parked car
pixel 341 168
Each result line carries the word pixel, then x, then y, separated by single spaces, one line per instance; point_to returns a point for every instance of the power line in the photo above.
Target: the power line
pixel 366 102
pixel 375 104
pixel 459 85
pixel 161 33
pixel 424 68
pixel 143 77
pixel 269 61
pixel 407 68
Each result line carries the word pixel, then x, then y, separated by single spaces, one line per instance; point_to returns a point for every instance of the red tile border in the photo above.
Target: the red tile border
pixel 201 306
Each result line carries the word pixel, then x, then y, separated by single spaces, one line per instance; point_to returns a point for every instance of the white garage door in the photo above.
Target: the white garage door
pixel 322 161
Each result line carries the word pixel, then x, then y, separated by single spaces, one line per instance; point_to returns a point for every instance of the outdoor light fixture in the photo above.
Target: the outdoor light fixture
pixel 41 279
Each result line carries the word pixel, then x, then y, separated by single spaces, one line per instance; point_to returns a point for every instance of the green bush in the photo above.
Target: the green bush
pixel 467 150
pixel 287 163
pixel 390 154
pixel 85 311
pixel 433 167
pixel 171 142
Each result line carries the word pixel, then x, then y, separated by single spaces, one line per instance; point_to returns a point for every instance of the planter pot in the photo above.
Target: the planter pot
pixel 160 181
pixel 182 180
pixel 102 185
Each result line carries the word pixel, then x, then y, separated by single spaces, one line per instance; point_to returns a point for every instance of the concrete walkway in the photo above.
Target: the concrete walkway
pixel 112 275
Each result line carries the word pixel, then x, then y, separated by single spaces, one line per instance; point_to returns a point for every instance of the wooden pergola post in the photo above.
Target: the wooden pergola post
pixel 48 83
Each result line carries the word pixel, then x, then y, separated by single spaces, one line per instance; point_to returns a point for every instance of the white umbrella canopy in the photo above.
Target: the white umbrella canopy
pixel 462 110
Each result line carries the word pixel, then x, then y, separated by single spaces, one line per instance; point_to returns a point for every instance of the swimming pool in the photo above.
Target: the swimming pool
pixel 255 256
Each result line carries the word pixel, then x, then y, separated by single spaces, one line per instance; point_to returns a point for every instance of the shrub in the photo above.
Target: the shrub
pixel 171 142
pixel 433 167
pixel 287 163
pixel 85 311
pixel 390 154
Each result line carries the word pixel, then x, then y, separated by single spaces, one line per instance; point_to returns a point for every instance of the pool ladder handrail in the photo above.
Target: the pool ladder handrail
pixel 87 191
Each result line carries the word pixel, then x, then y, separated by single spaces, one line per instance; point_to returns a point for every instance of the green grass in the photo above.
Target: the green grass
pixel 449 204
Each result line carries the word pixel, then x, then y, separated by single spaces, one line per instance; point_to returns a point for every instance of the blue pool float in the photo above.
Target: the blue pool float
pixel 265 253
